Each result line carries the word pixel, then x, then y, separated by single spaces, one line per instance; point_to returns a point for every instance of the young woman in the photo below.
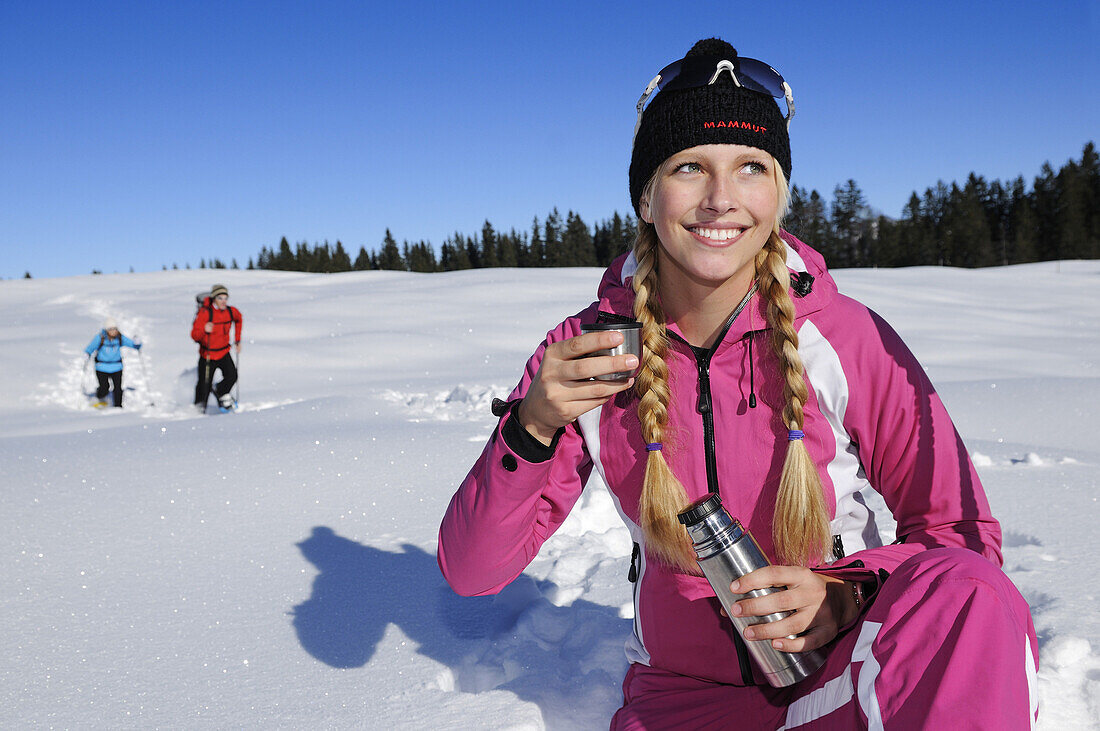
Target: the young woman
pixel 801 408
pixel 106 346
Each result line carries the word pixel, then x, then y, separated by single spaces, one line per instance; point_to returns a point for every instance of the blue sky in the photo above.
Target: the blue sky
pixel 142 134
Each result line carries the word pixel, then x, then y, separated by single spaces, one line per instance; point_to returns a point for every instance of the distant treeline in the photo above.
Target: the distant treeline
pixel 980 223
pixel 550 243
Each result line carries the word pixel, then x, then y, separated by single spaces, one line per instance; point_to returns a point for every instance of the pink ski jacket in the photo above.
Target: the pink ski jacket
pixel 898 479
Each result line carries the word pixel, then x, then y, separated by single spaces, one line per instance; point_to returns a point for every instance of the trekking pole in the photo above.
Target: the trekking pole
pixel 237 385
pixel 145 375
pixel 208 374
pixel 207 386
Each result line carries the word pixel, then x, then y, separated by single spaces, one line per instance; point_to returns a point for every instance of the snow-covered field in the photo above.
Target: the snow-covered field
pixel 275 568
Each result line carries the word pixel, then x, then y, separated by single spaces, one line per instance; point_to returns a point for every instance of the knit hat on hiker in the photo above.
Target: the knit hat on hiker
pixel 110 324
pixel 721 113
pixel 218 289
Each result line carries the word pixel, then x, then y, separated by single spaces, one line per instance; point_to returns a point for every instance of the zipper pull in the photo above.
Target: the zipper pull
pixel 632 575
pixel 703 407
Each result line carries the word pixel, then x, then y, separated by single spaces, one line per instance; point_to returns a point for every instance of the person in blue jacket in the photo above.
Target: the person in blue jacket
pixel 107 348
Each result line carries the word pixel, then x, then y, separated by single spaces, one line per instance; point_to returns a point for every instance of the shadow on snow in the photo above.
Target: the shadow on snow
pixel 516 640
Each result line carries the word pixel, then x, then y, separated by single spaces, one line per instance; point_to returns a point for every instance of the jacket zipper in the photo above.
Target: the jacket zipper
pixel 706 402
pixel 635 590
pixel 705 407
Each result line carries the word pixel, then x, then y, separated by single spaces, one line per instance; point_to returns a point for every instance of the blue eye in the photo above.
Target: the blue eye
pixel 688 167
pixel 756 168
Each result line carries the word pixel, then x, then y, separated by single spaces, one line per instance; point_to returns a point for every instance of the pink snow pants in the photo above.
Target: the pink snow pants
pixel 947 643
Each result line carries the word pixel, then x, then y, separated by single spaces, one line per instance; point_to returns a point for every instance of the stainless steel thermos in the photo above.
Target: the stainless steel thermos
pixel 726 551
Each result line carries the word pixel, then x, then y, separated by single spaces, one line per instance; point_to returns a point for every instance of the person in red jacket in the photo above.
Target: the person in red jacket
pixel 211 330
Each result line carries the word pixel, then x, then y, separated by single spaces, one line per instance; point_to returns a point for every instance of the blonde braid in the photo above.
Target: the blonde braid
pixel 800 527
pixel 662 497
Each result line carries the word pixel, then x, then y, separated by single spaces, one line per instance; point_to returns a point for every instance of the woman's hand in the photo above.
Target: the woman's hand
pixel 821 605
pixel 562 389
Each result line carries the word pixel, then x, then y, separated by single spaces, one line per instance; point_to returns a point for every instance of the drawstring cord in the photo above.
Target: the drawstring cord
pixel 752 370
pixel 752 376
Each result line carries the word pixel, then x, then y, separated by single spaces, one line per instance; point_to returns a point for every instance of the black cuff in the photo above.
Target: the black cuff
pixel 523 443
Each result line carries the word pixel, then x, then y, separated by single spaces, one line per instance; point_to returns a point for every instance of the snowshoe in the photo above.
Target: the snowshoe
pixel 101 404
pixel 226 404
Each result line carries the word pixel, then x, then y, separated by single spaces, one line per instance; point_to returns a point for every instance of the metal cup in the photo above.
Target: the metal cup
pixel 632 343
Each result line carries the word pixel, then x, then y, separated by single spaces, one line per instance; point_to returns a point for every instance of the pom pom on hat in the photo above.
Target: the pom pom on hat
pixel 712 47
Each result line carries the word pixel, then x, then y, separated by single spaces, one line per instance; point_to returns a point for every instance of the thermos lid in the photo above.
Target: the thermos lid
pixel 700 509
pixel 626 325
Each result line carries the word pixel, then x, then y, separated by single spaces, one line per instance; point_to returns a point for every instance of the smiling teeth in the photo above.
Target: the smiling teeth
pixel 717 234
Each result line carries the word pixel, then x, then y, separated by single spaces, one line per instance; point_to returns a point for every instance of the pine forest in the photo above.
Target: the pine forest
pixel 975 223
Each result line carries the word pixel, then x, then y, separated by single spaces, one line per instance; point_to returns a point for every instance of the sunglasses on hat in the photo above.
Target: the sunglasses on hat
pixel 694 71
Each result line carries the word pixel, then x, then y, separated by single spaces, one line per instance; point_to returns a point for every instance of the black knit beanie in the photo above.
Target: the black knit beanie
pixel 719 113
